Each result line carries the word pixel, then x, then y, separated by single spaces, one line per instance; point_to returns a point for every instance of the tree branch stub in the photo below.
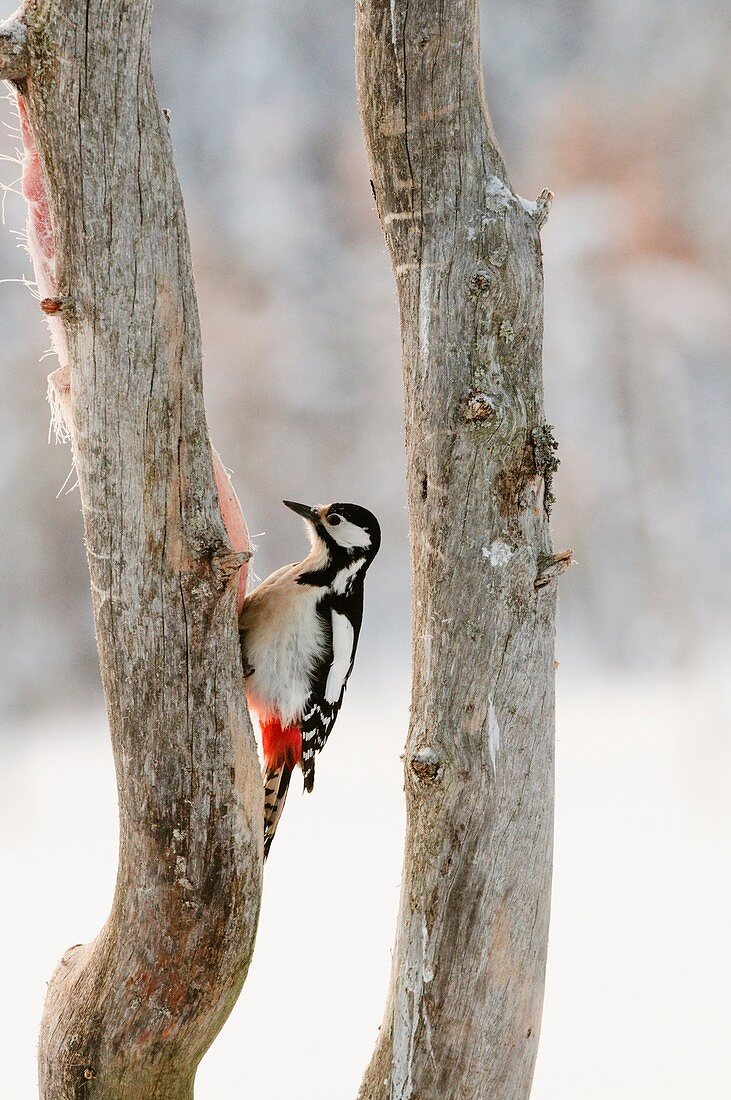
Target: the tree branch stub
pixel 552 566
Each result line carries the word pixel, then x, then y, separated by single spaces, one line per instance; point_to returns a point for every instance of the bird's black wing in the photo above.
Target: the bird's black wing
pixel 342 616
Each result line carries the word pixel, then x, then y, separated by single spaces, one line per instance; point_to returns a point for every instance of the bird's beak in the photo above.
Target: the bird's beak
pixel 303 510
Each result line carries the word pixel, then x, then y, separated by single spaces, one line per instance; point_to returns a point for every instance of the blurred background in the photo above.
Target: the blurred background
pixel 622 109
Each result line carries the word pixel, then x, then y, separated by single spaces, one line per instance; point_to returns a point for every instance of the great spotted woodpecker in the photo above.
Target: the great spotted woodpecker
pixel 299 631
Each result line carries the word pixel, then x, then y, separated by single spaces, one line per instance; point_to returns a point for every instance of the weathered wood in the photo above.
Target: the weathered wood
pixel 13 50
pixel 464 1006
pixel 129 1016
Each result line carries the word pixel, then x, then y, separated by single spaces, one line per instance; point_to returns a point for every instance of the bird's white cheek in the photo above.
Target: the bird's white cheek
pixel 351 537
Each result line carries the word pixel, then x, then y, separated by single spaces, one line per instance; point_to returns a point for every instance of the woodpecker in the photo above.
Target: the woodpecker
pixel 299 632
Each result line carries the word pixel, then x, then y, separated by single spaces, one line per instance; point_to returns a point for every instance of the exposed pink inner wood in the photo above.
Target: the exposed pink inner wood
pixel 43 256
pixel 233 518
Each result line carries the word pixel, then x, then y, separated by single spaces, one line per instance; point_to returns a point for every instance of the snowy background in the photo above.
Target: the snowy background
pixel 622 109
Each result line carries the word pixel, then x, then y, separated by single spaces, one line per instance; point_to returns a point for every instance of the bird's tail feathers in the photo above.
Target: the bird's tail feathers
pixel 308 769
pixel 276 785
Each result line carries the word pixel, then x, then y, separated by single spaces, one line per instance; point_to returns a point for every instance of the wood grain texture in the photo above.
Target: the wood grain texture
pixel 13 49
pixel 463 1014
pixel 129 1016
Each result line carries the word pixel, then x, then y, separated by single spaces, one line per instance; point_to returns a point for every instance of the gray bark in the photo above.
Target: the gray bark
pixel 463 1014
pixel 131 1014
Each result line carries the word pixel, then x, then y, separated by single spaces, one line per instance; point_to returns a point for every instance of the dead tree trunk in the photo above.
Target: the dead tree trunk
pixel 131 1014
pixel 464 1006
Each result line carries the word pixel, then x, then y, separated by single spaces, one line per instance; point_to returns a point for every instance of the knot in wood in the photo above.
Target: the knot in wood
pixel 425 763
pixel 480 281
pixel 226 565
pixel 480 406
pixel 51 305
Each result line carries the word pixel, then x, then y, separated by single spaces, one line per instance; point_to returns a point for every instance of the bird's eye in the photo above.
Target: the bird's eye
pixel 334 519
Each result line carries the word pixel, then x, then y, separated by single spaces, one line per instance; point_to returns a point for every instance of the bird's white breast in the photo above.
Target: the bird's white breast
pixel 284 639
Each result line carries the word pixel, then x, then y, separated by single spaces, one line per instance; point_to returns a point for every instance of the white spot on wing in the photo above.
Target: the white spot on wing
pixel 343 636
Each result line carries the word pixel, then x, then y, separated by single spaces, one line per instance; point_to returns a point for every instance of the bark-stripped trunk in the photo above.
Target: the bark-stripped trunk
pixel 464 1006
pixel 131 1014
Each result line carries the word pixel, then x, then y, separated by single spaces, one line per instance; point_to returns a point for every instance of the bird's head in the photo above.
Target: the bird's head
pixel 340 533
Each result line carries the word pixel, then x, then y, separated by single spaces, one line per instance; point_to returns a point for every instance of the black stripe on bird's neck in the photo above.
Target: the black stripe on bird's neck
pixel 319 578
pixel 338 558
